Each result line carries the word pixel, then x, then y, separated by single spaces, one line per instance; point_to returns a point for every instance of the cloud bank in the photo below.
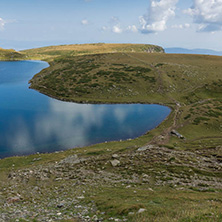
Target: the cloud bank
pixel 207 13
pixel 158 14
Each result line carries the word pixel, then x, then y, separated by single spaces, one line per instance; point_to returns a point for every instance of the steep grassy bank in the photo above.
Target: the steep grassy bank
pixel 156 177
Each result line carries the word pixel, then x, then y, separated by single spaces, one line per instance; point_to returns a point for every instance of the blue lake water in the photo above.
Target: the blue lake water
pixel 32 122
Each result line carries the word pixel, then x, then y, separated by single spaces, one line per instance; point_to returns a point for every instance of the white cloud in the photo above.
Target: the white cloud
pixel 181 26
pixel 158 14
pixel 114 26
pixel 117 29
pixel 132 28
pixel 207 13
pixel 85 22
pixel 2 24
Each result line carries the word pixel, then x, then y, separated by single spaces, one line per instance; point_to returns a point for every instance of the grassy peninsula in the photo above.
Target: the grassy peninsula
pixel 172 173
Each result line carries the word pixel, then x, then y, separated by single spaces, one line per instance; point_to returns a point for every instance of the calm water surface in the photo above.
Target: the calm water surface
pixel 31 122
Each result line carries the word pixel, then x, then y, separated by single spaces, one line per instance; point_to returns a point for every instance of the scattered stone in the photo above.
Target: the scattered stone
pixel 64 195
pixel 95 218
pixel 175 133
pixel 115 163
pixel 36 159
pixel 14 199
pixel 144 148
pixel 60 205
pixel 114 156
pixel 141 210
pixel 74 159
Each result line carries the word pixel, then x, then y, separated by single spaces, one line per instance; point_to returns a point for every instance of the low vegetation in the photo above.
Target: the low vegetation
pixel 159 176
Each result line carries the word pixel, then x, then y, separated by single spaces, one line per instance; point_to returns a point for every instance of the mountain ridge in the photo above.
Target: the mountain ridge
pixel 193 51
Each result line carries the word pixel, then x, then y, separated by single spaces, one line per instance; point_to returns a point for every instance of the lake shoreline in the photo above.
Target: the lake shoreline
pixel 70 111
pixel 101 101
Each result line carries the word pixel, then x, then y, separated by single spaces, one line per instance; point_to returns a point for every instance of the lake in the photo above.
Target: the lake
pixel 31 122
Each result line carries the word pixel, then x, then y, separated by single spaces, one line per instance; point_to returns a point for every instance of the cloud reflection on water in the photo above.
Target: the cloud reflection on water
pixel 20 138
pixel 66 125
pixel 69 122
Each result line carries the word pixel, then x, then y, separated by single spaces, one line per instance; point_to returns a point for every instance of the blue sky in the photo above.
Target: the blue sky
pixel 169 23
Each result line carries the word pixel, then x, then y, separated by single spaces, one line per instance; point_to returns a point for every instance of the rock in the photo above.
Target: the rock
pixel 150 189
pixel 36 159
pixel 175 133
pixel 74 159
pixel 14 199
pixel 145 175
pixel 141 210
pixel 115 163
pixel 144 148
pixel 95 218
pixel 60 205
pixel 114 156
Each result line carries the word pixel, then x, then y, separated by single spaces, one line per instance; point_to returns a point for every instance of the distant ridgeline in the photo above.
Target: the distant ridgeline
pixel 48 53
pixel 51 52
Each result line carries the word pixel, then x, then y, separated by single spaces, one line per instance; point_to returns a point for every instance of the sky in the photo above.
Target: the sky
pixel 168 23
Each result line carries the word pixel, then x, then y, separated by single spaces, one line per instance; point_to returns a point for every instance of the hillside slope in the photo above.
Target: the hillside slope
pixel 172 173
pixel 51 52
pixel 10 54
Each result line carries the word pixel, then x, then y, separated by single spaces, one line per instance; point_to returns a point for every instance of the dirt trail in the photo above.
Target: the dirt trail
pixel 164 137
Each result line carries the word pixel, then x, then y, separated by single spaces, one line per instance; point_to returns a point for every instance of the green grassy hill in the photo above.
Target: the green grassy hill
pixel 10 54
pixel 51 52
pixel 157 177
